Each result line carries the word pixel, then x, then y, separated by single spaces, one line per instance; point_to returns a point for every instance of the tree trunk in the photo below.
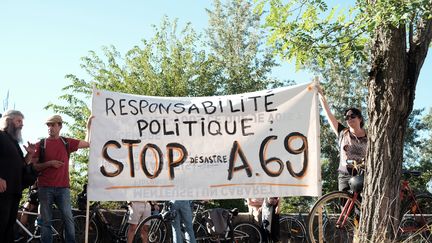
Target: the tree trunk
pixel 392 82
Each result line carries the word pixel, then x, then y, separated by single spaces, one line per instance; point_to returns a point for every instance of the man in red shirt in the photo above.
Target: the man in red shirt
pixel 52 160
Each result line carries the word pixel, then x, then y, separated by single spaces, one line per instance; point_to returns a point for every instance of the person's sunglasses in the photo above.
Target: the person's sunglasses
pixel 352 116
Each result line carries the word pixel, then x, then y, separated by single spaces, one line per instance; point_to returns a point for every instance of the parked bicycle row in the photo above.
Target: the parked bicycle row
pixel 158 225
pixel 333 218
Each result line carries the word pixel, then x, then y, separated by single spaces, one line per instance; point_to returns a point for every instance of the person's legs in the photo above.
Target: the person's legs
pixel 175 225
pixel 343 182
pixel 138 211
pixel 186 219
pixel 275 227
pixel 63 200
pixel 8 213
pixel 46 198
pixel 131 232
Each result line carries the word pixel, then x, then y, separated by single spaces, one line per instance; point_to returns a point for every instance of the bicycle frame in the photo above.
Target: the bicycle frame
pixel 231 234
pixel 31 236
pixel 407 194
pixel 413 222
pixel 100 219
pixel 349 205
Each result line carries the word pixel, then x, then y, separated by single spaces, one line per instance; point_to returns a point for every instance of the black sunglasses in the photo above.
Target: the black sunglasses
pixel 352 116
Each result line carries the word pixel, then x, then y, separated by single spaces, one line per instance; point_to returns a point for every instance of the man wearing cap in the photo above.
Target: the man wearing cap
pixel 12 161
pixel 52 156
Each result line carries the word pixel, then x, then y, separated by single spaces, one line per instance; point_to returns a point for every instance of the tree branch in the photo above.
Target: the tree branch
pixel 421 42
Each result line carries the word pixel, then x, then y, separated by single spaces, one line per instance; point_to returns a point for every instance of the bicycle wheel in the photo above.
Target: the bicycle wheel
pixel 157 230
pixel 415 226
pixel 200 233
pixel 292 230
pixel 328 222
pixel 80 229
pixel 247 233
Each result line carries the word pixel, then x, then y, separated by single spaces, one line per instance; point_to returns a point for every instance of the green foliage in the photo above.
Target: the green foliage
pixel 234 38
pixel 418 153
pixel 413 141
pixel 229 204
pixel 296 204
pixel 171 64
pixel 336 45
pixel 394 13
pixel 308 31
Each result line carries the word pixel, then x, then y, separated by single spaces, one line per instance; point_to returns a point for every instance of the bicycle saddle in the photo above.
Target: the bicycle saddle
pixel 414 173
pixel 234 211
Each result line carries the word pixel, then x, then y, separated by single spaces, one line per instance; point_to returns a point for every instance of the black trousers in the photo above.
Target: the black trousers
pixel 8 212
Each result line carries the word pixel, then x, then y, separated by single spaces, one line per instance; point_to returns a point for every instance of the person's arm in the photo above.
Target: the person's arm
pixel 2 185
pixel 332 119
pixel 278 207
pixel 47 164
pixel 86 143
pixel 31 150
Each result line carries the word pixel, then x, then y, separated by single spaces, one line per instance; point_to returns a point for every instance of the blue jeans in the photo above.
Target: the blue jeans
pixel 184 215
pixel 59 196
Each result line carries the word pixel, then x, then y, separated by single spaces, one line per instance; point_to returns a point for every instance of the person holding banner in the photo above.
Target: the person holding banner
pixel 352 139
pixel 183 216
pixel 52 160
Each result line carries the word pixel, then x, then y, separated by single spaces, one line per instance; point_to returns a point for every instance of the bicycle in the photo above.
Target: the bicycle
pixel 335 216
pixel 240 232
pixel 159 227
pixel 292 229
pixel 414 225
pixel 100 227
pixel 29 233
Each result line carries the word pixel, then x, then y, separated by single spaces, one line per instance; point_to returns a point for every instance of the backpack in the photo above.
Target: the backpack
pixel 42 144
pixel 82 198
pixel 217 221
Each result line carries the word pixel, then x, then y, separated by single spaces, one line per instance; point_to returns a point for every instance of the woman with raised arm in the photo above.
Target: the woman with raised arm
pixel 352 140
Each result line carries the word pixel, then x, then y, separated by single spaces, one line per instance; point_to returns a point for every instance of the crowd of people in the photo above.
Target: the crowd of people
pixel 50 157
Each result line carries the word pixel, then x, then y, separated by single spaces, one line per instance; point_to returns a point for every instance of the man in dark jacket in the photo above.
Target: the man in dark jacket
pixel 12 161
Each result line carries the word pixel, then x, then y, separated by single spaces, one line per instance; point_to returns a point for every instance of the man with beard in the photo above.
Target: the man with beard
pixel 12 161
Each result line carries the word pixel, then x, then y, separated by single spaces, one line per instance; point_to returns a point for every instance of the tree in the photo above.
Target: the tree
pixel 419 154
pixel 235 39
pixel 168 64
pixel 171 64
pixel 399 33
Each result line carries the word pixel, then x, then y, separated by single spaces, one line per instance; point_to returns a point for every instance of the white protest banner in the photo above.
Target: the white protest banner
pixel 256 144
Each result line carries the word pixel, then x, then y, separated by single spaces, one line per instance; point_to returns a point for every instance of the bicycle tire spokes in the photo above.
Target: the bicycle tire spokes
pixel 415 225
pixel 156 228
pixel 334 218
pixel 247 233
pixel 292 230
